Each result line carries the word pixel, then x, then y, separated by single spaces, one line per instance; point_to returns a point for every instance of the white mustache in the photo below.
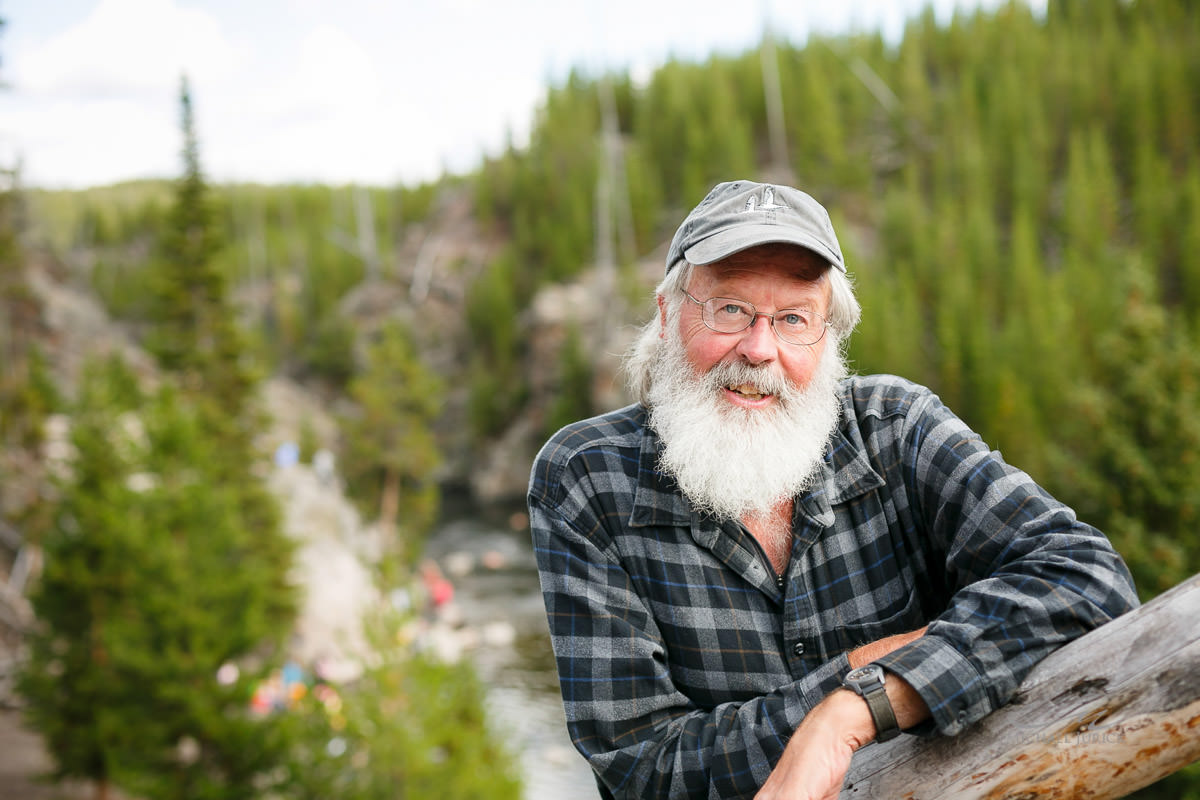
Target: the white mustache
pixel 763 378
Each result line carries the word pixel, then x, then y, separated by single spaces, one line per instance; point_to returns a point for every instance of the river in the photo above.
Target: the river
pixel 496 592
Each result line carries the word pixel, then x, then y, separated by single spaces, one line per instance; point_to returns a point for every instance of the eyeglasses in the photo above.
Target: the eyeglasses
pixel 791 325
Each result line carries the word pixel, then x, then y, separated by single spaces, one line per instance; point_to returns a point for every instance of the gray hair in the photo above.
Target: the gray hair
pixel 642 357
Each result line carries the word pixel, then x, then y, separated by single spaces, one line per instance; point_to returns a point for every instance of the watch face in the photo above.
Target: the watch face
pixel 862 673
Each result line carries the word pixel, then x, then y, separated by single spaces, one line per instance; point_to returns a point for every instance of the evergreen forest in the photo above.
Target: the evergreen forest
pixel 1018 197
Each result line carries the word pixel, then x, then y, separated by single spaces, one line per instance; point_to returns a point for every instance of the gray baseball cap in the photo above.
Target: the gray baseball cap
pixel 740 214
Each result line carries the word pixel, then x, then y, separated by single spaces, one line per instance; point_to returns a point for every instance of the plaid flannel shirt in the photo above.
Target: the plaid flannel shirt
pixel 685 662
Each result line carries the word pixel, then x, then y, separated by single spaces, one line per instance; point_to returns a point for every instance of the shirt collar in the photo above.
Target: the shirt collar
pixel 845 473
pixel 658 500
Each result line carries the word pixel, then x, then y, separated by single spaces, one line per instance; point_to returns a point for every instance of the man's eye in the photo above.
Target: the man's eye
pixel 795 320
pixel 732 309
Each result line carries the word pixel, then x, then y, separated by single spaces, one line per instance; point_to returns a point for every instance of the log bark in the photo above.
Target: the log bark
pixel 1109 713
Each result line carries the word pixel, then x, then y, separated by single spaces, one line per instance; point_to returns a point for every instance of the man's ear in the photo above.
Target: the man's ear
pixel 662 316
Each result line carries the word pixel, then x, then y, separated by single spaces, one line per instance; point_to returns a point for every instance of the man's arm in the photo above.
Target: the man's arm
pixel 1025 576
pixel 875 650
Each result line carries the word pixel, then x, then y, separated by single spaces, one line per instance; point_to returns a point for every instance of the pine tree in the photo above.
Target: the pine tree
pixel 151 584
pixel 64 682
pixel 198 340
pixel 1089 229
pixel 391 455
pixel 1132 435
pixel 818 130
pixel 195 333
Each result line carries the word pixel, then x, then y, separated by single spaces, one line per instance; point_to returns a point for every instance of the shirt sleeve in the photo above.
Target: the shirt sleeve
pixel 640 734
pixel 1027 575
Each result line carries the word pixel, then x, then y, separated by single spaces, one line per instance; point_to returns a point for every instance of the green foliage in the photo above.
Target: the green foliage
pixel 154 577
pixel 19 311
pixel 123 216
pixel 28 394
pixel 1183 785
pixel 496 381
pixel 391 456
pixel 410 727
pixel 328 350
pixel 286 251
pixel 573 395
pixel 1135 438
pixel 415 204
pixel 195 332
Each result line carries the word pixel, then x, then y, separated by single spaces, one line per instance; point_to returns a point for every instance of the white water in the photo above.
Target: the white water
pixel 504 624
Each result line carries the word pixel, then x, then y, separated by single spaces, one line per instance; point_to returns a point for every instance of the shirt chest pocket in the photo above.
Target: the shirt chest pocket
pixel 862 584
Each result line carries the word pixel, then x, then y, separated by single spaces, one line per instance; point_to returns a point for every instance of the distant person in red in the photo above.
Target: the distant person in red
pixel 765 563
pixel 439 589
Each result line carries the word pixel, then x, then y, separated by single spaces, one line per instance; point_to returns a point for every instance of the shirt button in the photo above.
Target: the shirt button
pixel 798 648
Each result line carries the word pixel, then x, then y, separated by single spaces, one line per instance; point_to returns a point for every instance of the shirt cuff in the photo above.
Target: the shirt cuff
pixel 820 683
pixel 944 678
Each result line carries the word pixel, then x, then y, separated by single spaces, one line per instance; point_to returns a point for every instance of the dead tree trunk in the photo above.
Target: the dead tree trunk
pixel 1109 713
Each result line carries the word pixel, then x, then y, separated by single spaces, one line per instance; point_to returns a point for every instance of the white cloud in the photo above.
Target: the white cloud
pixel 333 110
pixel 323 114
pixel 84 143
pixel 127 47
pixel 334 74
pixel 98 101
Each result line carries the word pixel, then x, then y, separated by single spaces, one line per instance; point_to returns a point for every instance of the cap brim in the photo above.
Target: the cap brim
pixel 725 243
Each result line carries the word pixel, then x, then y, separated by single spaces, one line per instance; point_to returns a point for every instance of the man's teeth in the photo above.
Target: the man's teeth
pixel 749 391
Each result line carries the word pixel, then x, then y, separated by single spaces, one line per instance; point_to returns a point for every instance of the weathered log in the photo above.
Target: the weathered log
pixel 1107 714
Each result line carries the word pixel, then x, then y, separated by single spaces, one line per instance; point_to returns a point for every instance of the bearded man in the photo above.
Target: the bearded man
pixel 764 564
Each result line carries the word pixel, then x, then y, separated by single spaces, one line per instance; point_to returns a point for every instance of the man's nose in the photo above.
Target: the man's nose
pixel 758 344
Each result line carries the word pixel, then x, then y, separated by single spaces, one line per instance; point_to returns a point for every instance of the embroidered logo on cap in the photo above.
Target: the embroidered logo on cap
pixel 767 204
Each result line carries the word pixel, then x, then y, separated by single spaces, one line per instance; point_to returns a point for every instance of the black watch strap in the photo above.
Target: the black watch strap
pixel 867 682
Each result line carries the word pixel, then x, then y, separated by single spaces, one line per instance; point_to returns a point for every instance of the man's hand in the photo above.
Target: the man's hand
pixel 813 767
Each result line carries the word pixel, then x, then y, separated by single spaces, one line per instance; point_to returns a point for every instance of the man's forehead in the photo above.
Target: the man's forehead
pixel 786 260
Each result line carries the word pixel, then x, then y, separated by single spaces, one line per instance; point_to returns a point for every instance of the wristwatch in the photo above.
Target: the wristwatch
pixel 867 683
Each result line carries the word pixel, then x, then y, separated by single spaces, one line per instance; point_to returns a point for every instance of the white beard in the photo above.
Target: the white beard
pixel 733 462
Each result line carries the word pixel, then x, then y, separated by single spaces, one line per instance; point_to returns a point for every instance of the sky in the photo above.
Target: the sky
pixel 376 92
